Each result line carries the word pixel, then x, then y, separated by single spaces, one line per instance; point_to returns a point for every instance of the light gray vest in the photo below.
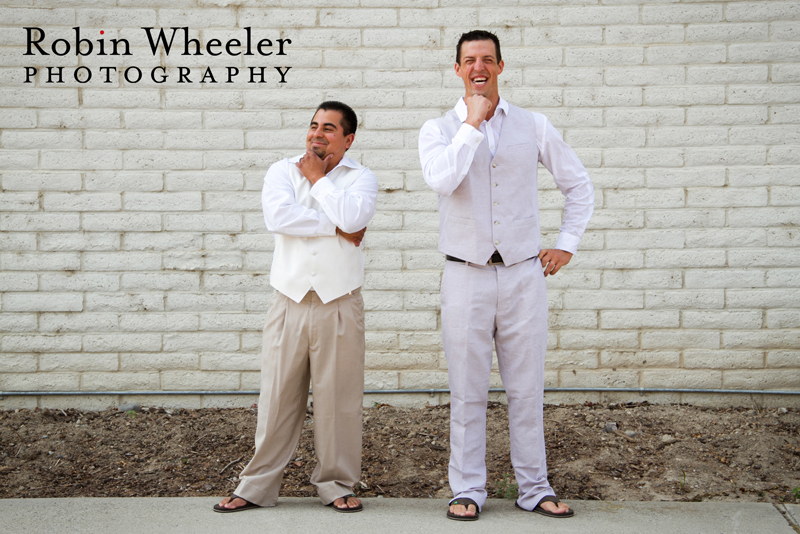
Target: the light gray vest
pixel 496 207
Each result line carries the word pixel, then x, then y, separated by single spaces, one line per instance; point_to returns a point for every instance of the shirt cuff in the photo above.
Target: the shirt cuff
pixel 567 242
pixel 321 189
pixel 469 136
pixel 325 226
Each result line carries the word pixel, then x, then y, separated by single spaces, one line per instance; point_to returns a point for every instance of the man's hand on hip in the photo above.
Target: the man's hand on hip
pixel 477 108
pixel 355 238
pixel 312 166
pixel 554 259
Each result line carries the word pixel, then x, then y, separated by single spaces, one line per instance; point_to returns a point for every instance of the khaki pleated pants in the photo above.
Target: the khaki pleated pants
pixel 323 344
pixel 507 306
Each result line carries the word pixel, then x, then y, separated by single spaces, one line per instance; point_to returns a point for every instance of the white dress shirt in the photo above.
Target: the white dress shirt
pixel 445 163
pixel 308 252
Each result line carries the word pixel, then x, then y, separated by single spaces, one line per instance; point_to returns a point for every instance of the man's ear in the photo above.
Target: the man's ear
pixel 458 70
pixel 348 140
pixel 500 65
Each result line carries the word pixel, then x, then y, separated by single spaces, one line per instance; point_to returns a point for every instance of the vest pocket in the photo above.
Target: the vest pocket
pixel 519 146
pixel 529 221
pixel 460 220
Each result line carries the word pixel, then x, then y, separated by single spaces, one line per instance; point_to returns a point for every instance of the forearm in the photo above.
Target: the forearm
pixel 446 163
pixel 578 209
pixel 283 215
pixel 287 221
pixel 349 209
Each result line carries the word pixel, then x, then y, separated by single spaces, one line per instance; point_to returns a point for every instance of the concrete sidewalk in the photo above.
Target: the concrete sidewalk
pixel 386 516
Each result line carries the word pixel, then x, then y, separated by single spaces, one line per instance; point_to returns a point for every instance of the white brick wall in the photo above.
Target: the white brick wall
pixel 133 254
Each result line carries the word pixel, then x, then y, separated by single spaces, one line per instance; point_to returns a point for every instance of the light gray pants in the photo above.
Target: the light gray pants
pixel 323 343
pixel 508 305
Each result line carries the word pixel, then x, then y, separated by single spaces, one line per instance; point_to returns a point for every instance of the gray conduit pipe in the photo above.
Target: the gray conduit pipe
pixel 641 391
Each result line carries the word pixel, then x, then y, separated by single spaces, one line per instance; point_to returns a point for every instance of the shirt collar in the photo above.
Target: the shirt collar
pixel 347 162
pixel 344 162
pixel 461 108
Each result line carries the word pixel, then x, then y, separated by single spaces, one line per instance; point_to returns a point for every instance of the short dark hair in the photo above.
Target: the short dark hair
pixel 478 35
pixel 349 121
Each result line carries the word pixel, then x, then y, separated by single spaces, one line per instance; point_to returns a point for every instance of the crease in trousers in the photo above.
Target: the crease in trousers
pixel 484 305
pixel 322 344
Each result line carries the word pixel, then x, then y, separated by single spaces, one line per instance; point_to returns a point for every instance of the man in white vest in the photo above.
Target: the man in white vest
pixel 482 159
pixel 318 206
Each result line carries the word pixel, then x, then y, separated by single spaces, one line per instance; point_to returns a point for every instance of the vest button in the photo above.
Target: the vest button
pixel 495 184
pixel 495 203
pixel 497 242
pixel 313 273
pixel 496 223
pixel 494 165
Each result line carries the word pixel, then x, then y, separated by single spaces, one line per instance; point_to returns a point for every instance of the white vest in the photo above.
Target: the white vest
pixel 331 266
pixel 496 206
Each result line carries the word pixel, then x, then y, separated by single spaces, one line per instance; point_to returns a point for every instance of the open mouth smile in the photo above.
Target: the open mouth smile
pixel 480 83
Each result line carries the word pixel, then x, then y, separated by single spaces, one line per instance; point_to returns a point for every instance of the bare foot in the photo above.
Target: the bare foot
pixel 551 507
pixel 463 511
pixel 347 502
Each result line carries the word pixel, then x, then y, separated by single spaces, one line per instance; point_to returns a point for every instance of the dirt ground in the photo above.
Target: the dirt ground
pixel 674 453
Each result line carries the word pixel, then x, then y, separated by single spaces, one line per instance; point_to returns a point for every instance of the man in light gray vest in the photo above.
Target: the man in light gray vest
pixel 482 159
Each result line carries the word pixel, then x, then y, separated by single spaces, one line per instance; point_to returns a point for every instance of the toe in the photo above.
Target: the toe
pixel 560 508
pixel 463 511
pixel 233 503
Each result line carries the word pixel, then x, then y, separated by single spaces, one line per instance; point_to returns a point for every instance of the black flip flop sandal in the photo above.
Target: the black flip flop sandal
pixel 466 502
pixel 247 506
pixel 539 510
pixel 347 510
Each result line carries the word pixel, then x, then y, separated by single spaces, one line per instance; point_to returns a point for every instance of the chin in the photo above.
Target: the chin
pixel 319 152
